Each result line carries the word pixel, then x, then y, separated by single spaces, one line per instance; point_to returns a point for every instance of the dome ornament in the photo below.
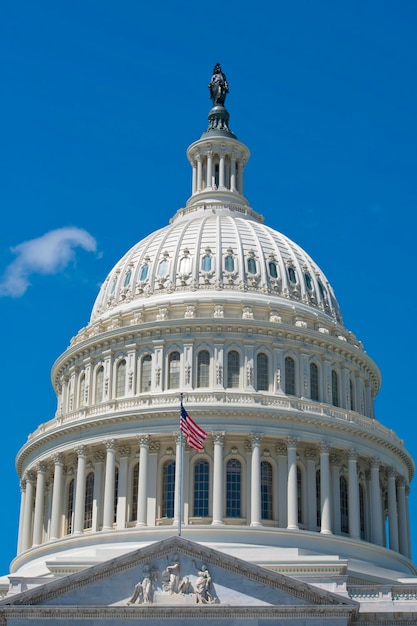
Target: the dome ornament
pixel 219 116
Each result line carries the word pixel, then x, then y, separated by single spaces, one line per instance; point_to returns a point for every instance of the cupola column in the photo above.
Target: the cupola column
pixel 39 504
pixel 222 170
pixel 199 173
pixel 402 518
pixel 80 490
pixel 256 512
pixel 392 510
pixel 376 509
pixel 142 515
pixel 209 182
pixel 27 518
pixel 292 505
pixel 353 496
pixel 218 503
pixel 326 513
pixel 57 490
pixel 233 173
pixel 194 178
pixel 108 509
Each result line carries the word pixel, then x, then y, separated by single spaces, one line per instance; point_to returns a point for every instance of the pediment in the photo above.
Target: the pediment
pixel 179 574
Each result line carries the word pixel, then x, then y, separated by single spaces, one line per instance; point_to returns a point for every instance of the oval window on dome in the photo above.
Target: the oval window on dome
pixel 292 275
pixel 309 282
pixel 251 265
pixel 144 272
pixel 273 271
pixel 229 263
pixel 163 268
pixel 185 264
pixel 321 289
pixel 206 263
pixel 127 279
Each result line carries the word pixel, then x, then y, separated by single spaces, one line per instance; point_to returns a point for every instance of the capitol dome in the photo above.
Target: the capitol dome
pixel 296 474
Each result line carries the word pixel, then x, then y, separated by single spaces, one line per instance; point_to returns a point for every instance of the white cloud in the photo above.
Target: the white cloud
pixel 48 254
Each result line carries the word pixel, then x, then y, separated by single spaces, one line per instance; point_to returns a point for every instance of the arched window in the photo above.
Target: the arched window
pixel 229 263
pixel 121 379
pixel 174 370
pixel 251 265
pixel 262 382
pixel 185 265
pixel 146 373
pixel 89 498
pixel 266 490
pixel 344 508
pixel 292 275
pixel 100 384
pixel 81 391
pixel 127 279
pixel 233 488
pixel 116 492
pixel 352 395
pixel 201 489
pixel 203 368
pixel 233 369
pixel 134 497
pixel 321 290
pixel 318 498
pixel 362 510
pixel 168 489
pixel 309 283
pixel 70 506
pixel 289 376
pixel 299 495
pixel 206 263
pixel 335 388
pixel 314 382
pixel 273 272
pixel 113 286
pixel 143 275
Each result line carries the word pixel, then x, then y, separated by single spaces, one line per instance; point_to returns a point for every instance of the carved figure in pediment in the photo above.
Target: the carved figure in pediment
pixel 185 587
pixel 171 576
pixel 144 590
pixel 205 593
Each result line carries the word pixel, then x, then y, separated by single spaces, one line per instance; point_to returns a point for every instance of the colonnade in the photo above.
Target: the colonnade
pixel 305 489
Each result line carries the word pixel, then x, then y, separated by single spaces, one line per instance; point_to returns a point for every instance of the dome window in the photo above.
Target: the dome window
pixel 273 271
pixel 251 265
pixel 309 282
pixel 163 268
pixel 144 272
pixel 185 264
pixel 113 286
pixel 229 263
pixel 127 279
pixel 292 274
pixel 206 263
pixel 321 289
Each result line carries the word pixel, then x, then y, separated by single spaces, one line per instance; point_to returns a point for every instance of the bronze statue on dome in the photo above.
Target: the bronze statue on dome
pixel 218 86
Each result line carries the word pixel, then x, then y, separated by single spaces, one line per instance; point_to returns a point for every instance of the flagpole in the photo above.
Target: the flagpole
pixel 180 477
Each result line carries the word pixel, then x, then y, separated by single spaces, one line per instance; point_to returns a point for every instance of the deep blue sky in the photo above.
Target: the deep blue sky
pixel 99 103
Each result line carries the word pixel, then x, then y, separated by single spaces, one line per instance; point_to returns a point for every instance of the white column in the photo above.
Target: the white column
pixel 121 512
pixel 311 456
pixel 199 173
pixel 39 504
pixel 57 491
pixel 282 484
pixel 21 514
pixel 177 492
pixel 256 512
pixel 335 462
pixel 233 174
pixel 353 495
pixel 218 478
pixel 326 511
pixel 402 517
pixel 240 176
pixel 292 499
pixel 108 509
pixel 392 510
pixel 209 170
pixel 221 171
pixel 97 516
pixel 27 518
pixel 142 515
pixel 80 491
pixel 377 522
pixel 194 178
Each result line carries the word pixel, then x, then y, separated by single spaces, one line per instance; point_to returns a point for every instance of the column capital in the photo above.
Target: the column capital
pixel 392 473
pixel 256 438
pixel 41 468
pixel 218 436
pixel 81 451
pixel 324 447
pixel 375 463
pixel 143 440
pixel 401 481
pixel 110 444
pixel 58 458
pixel 23 484
pixel 292 442
pixel 352 454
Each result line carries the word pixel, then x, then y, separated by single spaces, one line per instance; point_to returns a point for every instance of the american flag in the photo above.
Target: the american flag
pixel 194 434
